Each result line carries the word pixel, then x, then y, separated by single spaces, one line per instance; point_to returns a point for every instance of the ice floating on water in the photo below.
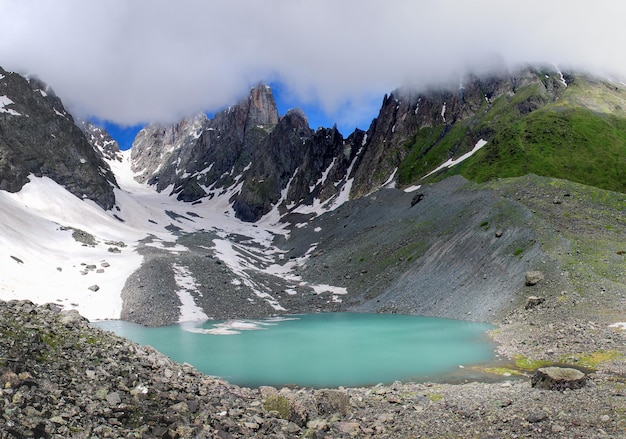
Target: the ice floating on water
pixel 233 327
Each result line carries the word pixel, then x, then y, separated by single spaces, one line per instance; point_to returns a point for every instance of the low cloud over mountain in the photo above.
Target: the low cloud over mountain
pixel 149 61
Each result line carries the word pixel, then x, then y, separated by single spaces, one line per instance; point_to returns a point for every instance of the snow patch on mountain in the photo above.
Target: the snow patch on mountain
pixel 451 162
pixel 4 101
pixel 189 311
pixel 40 260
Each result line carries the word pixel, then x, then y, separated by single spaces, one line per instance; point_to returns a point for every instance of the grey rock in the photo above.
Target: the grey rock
pixel 113 398
pixel 558 378
pixel 533 277
pixel 72 317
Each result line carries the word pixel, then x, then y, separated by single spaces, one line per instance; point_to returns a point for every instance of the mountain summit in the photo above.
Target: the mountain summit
pixel 263 160
pixel 38 137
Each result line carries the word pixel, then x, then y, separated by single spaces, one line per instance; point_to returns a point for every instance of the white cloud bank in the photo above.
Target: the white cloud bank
pixel 155 60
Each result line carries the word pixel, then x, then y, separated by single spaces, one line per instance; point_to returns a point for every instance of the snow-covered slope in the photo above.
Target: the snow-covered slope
pixel 55 247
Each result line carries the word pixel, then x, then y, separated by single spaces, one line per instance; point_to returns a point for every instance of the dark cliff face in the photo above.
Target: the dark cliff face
pixel 199 152
pixel 265 160
pixel 38 137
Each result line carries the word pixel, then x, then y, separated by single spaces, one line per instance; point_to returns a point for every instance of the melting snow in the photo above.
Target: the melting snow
pixel 324 176
pixel 561 77
pixel 189 311
pixel 390 183
pixel 452 162
pixel 412 188
pixel 232 327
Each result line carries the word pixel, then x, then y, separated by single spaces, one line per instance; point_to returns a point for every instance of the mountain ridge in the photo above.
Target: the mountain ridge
pixel 413 134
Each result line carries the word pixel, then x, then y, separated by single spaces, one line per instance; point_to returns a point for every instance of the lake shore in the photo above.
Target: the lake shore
pixel 63 378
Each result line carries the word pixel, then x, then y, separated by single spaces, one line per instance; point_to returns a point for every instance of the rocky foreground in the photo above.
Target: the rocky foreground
pixel 61 378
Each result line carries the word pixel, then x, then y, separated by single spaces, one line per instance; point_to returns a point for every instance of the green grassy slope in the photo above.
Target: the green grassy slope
pixel 576 133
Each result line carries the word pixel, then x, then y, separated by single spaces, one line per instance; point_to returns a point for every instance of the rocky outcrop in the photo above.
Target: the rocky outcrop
pixel 101 141
pixel 38 137
pixel 262 160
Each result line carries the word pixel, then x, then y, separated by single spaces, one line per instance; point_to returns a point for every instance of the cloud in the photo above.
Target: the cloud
pixel 155 60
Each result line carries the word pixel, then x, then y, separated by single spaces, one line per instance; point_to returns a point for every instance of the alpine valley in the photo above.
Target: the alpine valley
pixel 459 202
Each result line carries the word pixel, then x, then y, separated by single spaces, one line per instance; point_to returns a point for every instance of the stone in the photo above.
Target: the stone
pixel 71 317
pixel 558 378
pixel 181 407
pixel 93 288
pixel 534 418
pixel 533 278
pixel 113 398
pixel 9 380
pixel 534 301
pixel 333 401
pixel 347 427
pixel 16 259
pixel 416 199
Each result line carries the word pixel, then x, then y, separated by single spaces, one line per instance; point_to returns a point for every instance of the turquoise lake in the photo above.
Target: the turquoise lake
pixel 319 350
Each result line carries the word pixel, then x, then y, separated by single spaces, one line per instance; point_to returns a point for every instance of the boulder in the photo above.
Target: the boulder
pixel 533 278
pixel 416 199
pixel 71 318
pixel 558 378
pixel 534 301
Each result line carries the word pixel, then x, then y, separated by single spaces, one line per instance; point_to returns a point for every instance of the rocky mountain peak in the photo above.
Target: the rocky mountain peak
pixel 267 162
pixel 101 141
pixel 262 110
pixel 39 137
pixel 262 159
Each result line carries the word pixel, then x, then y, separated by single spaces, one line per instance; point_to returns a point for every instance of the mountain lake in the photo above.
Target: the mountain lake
pixel 320 350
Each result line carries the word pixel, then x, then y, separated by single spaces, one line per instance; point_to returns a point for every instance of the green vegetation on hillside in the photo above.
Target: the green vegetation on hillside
pixel 576 133
pixel 574 144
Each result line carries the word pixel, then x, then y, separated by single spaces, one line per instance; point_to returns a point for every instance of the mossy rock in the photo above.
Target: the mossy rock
pixel 279 404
